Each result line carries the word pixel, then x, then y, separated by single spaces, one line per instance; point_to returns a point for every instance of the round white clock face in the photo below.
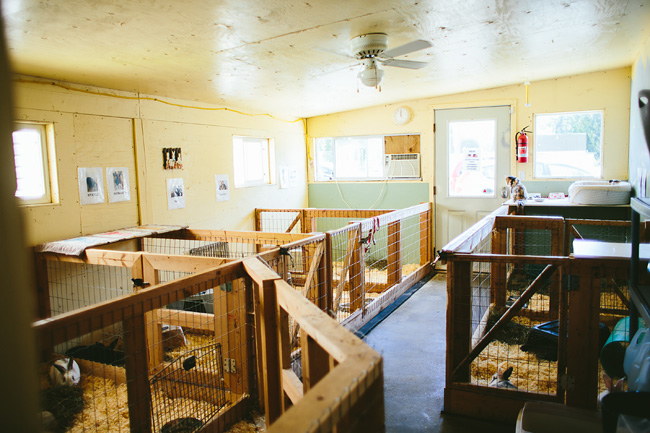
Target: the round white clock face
pixel 401 116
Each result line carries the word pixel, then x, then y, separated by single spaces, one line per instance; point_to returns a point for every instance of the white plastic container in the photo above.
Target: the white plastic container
pixel 600 192
pixel 637 361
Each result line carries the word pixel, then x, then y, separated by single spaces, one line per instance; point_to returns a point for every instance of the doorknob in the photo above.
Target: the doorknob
pixel 504 192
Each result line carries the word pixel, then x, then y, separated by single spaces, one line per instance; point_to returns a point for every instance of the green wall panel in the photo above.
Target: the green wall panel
pixel 362 195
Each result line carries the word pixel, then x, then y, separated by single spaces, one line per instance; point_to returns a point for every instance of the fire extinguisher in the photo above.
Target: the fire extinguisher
pixel 522 145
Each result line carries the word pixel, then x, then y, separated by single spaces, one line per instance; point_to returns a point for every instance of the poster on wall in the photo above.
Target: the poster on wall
pixel 117 184
pixel 175 193
pixel 91 185
pixel 223 187
pixel 288 177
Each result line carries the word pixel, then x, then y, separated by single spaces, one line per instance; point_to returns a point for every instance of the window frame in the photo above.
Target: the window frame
pixel 240 178
pixel 48 162
pixel 354 179
pixel 538 176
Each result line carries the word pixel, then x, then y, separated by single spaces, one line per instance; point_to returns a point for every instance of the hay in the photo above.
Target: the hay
pixel 106 405
pixel 529 374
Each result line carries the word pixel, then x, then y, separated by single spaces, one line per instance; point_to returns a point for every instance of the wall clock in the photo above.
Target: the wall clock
pixel 401 116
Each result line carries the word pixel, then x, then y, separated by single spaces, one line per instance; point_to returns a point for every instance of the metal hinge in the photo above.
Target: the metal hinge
pixel 434 190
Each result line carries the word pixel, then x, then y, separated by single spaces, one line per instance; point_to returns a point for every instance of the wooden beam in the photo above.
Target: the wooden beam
pixel 295 221
pixel 357 277
pixel 79 322
pixel 459 314
pixel 178 263
pixel 582 361
pixel 315 362
pixel 188 320
pixel 333 338
pixel 292 385
pixel 394 253
pixel 137 372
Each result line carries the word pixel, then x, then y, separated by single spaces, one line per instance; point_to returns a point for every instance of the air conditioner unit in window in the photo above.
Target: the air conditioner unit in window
pixel 402 166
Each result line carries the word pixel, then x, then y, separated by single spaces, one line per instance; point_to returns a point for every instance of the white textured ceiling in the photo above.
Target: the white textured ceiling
pixel 286 57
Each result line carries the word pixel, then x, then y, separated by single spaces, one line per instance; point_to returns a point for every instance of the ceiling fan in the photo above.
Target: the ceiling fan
pixel 371 48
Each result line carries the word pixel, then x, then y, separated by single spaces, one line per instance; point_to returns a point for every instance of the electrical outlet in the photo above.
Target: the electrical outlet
pixel 229 365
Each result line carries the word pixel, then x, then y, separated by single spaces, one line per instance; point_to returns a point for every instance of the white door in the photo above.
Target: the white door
pixel 472 153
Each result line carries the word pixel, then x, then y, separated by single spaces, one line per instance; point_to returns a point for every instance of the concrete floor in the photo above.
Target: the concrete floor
pixel 412 341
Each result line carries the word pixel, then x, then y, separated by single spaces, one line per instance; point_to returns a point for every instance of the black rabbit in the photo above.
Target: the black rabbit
pixel 99 353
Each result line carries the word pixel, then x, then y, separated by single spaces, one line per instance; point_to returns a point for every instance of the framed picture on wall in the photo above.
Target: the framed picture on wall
pixel 222 186
pixel 175 193
pixel 117 184
pixel 91 185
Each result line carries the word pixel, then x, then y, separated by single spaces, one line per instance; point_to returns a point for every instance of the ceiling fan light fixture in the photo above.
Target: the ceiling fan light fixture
pixel 371 76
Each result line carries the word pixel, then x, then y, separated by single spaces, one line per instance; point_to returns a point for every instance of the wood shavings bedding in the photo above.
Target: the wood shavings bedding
pixel 530 373
pixel 106 405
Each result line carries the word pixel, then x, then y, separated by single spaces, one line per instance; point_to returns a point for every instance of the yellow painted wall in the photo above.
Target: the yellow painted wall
pixel 96 130
pixel 607 90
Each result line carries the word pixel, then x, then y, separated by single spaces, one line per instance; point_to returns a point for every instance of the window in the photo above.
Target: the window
pixel 568 145
pixel 254 161
pixel 350 158
pixel 33 155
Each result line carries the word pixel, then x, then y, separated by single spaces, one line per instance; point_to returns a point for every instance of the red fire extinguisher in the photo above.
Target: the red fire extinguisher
pixel 522 145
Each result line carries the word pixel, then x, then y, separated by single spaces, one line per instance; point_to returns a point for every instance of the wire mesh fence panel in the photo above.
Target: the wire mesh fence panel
pixel 280 221
pixel 511 346
pixel 77 285
pixel 189 391
pixel 186 364
pixel 346 277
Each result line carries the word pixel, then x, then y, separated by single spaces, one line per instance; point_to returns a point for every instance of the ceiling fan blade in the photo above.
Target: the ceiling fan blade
pixel 410 64
pixel 406 48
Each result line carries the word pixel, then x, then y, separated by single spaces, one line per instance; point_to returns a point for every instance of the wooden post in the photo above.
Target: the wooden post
pixel 459 310
pixel 498 279
pixel 155 352
pixel 315 362
pixel 44 310
pixel 557 249
pixel 323 300
pixel 137 372
pixel 582 360
pixel 395 253
pixel 357 273
pixel 329 281
pixel 233 318
pixel 425 236
pixel 285 349
pixel 258 220
pixel 268 346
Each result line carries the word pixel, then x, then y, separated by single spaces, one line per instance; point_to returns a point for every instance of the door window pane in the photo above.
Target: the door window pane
pixel 472 151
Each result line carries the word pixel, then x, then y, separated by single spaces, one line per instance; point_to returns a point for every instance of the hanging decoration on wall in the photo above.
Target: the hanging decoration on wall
pixel 175 193
pixel 223 187
pixel 91 185
pixel 117 184
pixel 172 158
pixel 288 177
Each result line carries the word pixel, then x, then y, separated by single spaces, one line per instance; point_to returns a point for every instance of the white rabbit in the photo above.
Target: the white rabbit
pixel 611 386
pixel 501 379
pixel 65 371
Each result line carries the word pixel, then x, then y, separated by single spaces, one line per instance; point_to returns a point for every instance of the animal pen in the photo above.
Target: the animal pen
pixel 192 329
pixel 518 298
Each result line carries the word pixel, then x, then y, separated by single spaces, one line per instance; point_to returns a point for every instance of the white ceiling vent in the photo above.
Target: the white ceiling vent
pixel 402 166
